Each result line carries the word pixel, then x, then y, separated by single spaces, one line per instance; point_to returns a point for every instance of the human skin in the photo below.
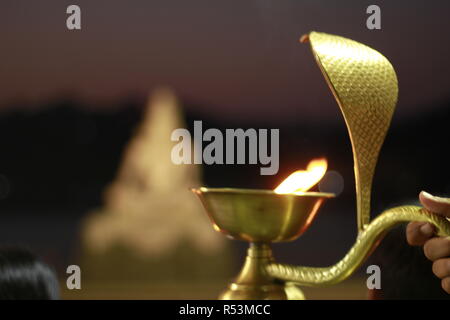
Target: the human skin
pixel 436 249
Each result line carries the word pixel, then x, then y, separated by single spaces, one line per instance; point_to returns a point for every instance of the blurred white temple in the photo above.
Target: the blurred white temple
pixel 149 210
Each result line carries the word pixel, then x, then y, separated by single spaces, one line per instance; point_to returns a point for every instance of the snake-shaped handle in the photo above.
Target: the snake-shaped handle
pixel 364 85
pixel 365 243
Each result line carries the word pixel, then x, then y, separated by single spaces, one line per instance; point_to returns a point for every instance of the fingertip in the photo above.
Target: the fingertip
pixel 435 204
pixel 414 236
pixel 426 199
pixel 425 194
pixel 427 230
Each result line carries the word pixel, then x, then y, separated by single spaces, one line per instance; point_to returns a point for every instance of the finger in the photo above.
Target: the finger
pixel 445 283
pixel 441 268
pixel 417 233
pixel 437 248
pixel 435 204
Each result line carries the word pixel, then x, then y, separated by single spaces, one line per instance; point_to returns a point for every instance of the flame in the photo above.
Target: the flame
pixel 302 180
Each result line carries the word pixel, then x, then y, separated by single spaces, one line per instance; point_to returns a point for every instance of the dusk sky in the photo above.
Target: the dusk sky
pixel 232 59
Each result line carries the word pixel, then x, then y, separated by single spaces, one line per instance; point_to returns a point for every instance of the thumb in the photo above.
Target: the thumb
pixel 435 204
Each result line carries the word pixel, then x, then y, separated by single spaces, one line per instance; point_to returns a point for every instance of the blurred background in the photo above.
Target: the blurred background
pixel 85 131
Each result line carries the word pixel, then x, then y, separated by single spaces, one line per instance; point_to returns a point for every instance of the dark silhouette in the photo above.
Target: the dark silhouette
pixel 24 277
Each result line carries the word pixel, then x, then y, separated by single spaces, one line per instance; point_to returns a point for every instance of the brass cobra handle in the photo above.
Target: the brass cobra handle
pixel 365 243
pixel 365 87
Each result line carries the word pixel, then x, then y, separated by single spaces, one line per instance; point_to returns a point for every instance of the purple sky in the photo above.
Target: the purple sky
pixel 232 58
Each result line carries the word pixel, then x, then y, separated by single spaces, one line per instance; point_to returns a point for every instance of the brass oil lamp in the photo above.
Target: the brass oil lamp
pixel 365 87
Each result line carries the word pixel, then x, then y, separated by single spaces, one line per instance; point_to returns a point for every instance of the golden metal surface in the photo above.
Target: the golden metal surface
pixel 364 84
pixel 260 217
pixel 365 87
pixel 254 283
pixel 365 243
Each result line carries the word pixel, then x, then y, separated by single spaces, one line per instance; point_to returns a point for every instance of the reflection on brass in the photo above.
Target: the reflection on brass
pixel 365 87
pixel 260 217
pixel 365 243
pixel 364 84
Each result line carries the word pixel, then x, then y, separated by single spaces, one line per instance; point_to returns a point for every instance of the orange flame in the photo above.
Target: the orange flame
pixel 302 180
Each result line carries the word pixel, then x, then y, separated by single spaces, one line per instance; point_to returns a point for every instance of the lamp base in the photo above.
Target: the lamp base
pixel 253 283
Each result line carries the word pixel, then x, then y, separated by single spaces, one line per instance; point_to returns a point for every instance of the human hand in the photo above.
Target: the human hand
pixel 436 249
